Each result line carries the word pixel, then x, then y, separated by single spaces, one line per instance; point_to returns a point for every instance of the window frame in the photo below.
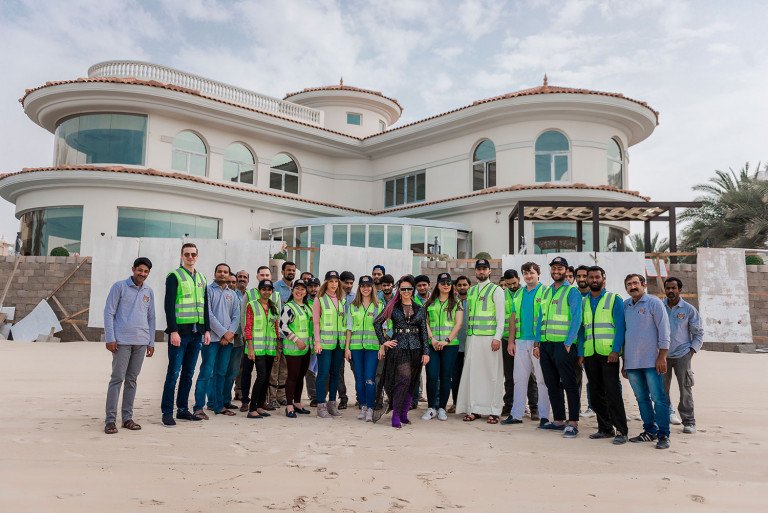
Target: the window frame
pixel 188 153
pixel 283 173
pixel 219 221
pixel 620 161
pixel 553 159
pixel 359 117
pixel 485 163
pixel 241 166
pixel 406 192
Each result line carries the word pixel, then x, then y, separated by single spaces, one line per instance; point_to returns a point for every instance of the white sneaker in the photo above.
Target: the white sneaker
pixel 587 414
pixel 369 415
pixel 441 415
pixel 689 429
pixel 430 414
pixel 674 418
pixel 361 413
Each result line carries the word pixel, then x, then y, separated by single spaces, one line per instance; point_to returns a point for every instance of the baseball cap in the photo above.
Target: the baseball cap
pixel 314 281
pixel 266 284
pixel 559 261
pixel 365 280
pixel 331 275
pixel 444 277
pixel 482 263
pixel 299 283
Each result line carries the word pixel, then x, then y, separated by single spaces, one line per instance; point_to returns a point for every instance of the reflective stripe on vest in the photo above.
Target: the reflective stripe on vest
pixel 299 326
pixel 190 297
pixel 439 322
pixel 517 300
pixel 363 335
pixel 599 331
pixel 507 311
pixel 263 331
pixel 482 310
pixel 556 315
pixel 332 329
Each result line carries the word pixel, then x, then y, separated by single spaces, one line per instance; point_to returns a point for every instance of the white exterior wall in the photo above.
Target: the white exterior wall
pixel 336 119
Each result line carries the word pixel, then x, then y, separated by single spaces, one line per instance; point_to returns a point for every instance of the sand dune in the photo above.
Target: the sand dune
pixel 55 456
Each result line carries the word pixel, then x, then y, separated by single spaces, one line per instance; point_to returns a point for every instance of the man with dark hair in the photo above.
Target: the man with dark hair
pixel 600 342
pixel 306 276
pixel 283 286
pixel 422 289
pixel 276 395
pixel 224 318
pixel 645 359
pixel 186 315
pixel 235 359
pixel 387 284
pixel 129 332
pixel 570 275
pixel 686 339
pixel 232 282
pixel 377 274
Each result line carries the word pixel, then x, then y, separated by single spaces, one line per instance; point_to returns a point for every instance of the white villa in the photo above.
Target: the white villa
pixel 143 150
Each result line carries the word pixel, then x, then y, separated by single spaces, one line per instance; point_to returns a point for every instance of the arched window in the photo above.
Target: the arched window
pixel 484 166
pixel 615 165
pixel 189 154
pixel 552 157
pixel 239 164
pixel 284 174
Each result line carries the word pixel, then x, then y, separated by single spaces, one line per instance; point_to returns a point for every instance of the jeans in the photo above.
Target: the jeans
pixel 364 364
pixel 329 363
pixel 126 365
pixel 210 379
pixel 605 388
pixel 439 375
pixel 561 373
pixel 525 363
pixel 684 374
pixel 232 370
pixel 181 362
pixel 648 386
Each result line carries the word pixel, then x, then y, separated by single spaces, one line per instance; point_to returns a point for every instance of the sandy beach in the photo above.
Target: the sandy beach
pixel 55 456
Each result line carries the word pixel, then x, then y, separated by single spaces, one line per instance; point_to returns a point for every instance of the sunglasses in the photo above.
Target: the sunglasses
pixel 190 255
pixel 406 289
pixel 444 283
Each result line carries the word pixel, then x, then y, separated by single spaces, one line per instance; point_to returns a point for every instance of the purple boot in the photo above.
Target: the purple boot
pixel 404 411
pixel 396 420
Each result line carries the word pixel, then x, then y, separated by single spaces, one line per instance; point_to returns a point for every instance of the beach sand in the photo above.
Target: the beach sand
pixel 55 456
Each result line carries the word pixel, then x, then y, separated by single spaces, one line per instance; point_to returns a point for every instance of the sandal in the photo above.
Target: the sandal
pixel 493 419
pixel 200 415
pixel 469 417
pixel 130 424
pixel 110 428
pixel 228 413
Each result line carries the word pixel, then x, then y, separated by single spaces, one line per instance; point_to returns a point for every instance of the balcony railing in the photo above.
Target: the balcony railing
pixel 208 87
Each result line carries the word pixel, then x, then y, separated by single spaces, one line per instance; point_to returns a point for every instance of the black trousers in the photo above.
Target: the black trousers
pixel 605 392
pixel 509 383
pixel 263 365
pixel 561 371
pixel 458 366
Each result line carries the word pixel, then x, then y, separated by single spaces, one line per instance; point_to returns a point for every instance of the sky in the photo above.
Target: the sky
pixel 702 64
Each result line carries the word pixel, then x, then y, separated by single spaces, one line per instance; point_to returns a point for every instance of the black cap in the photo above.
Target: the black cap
pixel 314 281
pixel 379 267
pixel 346 275
pixel 264 284
pixel 331 274
pixel 559 261
pixel 511 273
pixel 443 277
pixel 482 263
pixel 365 280
pixel 299 283
pixel 422 278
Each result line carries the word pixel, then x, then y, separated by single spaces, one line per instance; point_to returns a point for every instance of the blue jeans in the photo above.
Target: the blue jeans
pixel 210 380
pixel 648 386
pixel 232 371
pixel 328 368
pixel 365 362
pixel 439 375
pixel 181 361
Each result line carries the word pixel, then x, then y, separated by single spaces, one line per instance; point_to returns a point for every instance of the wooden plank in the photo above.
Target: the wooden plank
pixel 79 312
pixel 82 263
pixel 67 316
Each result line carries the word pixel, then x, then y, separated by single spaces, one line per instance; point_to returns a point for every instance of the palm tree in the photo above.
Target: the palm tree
pixel 734 211
pixel 637 243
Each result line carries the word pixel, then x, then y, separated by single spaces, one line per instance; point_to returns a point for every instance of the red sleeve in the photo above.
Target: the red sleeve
pixel 248 329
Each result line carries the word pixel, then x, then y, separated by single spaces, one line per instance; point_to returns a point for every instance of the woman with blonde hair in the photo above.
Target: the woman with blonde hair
pixel 330 332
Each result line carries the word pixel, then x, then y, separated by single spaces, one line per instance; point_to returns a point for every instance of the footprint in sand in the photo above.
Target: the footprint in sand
pixel 697 498
pixel 150 502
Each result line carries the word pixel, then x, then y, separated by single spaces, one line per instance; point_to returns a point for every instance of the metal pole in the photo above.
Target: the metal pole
pixel 595 229
pixel 647 236
pixel 579 235
pixel 520 224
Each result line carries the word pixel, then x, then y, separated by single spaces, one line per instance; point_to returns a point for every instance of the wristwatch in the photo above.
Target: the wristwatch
pixel 447 340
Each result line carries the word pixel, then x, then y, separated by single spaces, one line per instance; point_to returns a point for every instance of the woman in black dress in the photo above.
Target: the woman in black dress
pixel 403 354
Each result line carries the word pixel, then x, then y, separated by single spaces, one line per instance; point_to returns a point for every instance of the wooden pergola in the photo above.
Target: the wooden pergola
pixel 594 212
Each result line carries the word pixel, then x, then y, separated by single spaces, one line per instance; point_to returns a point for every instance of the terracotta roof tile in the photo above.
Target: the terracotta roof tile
pixel 342 87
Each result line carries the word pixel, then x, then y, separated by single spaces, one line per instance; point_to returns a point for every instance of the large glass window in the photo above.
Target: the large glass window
pixel 284 174
pixel 45 229
pixel 554 237
pixel 102 139
pixel 615 165
pixel 339 234
pixel 405 189
pixel 417 239
pixel 239 164
pixel 353 118
pixel 394 236
pixel 484 166
pixel 357 235
pixel 376 236
pixel 552 157
pixel 134 222
pixel 189 154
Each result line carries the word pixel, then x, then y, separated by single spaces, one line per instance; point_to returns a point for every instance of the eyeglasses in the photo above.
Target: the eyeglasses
pixel 445 283
pixel 406 289
pixel 190 255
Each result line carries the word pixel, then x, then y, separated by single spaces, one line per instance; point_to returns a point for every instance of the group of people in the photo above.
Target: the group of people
pixel 500 350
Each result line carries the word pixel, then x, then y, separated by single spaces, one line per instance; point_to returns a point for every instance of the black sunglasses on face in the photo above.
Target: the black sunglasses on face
pixel 190 255
pixel 406 289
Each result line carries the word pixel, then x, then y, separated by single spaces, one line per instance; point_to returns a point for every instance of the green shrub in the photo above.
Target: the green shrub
pixel 754 260
pixel 59 251
pixel 483 254
pixel 279 256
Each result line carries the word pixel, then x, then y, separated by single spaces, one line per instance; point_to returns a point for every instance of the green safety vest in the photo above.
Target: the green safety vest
pixel 263 331
pixel 507 312
pixel 517 301
pixel 599 331
pixel 363 334
pixel 417 299
pixel 482 310
pixel 190 297
pixel 252 296
pixel 332 329
pixel 439 322
pixel 300 326
pixel 556 315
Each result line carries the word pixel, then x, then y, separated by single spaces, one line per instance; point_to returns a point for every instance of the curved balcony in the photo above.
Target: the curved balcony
pixel 206 86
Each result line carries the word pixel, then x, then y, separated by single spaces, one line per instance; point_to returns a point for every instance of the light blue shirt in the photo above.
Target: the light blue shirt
pixel 129 314
pixel 686 332
pixel 647 331
pixel 349 298
pixel 224 311
pixel 574 305
pixel 283 289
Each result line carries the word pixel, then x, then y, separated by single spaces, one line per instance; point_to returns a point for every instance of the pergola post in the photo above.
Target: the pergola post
pixel 579 235
pixel 511 230
pixel 672 234
pixel 520 225
pixel 595 229
pixel 647 236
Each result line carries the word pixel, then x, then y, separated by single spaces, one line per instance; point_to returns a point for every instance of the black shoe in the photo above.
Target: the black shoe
pixel 168 420
pixel 301 411
pixel 231 406
pixel 511 420
pixel 543 422
pixel 619 439
pixel 343 404
pixel 663 442
pixel 643 437
pixel 601 435
pixel 551 426
pixel 186 415
pixel 290 414
pixel 313 403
